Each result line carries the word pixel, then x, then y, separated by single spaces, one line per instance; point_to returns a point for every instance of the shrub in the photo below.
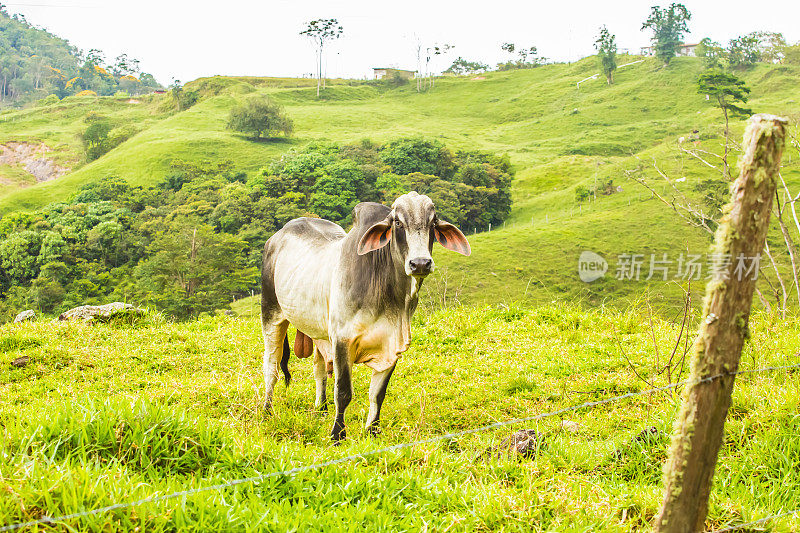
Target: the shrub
pixel 461 66
pixel 49 100
pixel 94 139
pixel 582 193
pixel 397 80
pixel 791 54
pixel 259 116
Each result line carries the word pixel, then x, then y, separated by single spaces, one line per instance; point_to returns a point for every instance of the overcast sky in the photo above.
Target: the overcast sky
pixel 188 39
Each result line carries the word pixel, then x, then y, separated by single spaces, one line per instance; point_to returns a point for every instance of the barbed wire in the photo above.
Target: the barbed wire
pixel 757 522
pixel 447 436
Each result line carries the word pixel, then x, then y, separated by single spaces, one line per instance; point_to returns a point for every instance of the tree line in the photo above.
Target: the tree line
pixel 193 242
pixel 35 64
pixel 669 25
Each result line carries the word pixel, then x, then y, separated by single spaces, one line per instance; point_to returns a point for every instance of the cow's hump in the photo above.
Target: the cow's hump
pixel 314 229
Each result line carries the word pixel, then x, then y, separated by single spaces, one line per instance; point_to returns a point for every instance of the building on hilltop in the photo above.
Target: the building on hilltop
pixel 682 49
pixel 384 72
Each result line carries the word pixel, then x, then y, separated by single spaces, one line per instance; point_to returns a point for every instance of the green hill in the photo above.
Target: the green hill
pixel 557 135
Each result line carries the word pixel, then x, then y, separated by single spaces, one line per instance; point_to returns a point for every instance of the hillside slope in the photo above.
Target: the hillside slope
pixel 558 137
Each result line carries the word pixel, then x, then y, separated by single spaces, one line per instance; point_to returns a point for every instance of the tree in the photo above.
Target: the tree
pixel 791 54
pixel 435 50
pixel 744 51
pixel 94 138
pixel 606 47
pixel 527 57
pixel 462 66
pixel 258 116
pixel 18 256
pixel 406 156
pixel 192 269
pixel 183 98
pixel 711 51
pixel 772 46
pixel 668 26
pixel 123 66
pixel 726 90
pixel 321 31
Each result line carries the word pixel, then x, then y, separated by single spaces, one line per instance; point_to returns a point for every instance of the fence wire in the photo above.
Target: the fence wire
pixel 448 436
pixel 758 522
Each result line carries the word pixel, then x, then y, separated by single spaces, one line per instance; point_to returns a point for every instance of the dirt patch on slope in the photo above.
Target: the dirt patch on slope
pixel 31 157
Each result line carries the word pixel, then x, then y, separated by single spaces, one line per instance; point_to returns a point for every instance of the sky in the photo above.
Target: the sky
pixel 184 40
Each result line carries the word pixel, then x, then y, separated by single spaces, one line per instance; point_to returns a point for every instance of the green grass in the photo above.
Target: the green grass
pixel 118 412
pixel 558 137
pixel 14 177
pixel 111 413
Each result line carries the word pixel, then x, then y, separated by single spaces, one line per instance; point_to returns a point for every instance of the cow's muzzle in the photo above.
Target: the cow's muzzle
pixel 420 266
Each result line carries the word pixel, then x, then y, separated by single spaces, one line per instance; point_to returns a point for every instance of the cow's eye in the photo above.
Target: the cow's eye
pixel 398 223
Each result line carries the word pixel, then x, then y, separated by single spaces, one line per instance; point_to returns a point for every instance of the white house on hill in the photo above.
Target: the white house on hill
pixel 681 50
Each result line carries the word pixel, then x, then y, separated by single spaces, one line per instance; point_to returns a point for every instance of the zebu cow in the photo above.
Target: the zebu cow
pixel 352 293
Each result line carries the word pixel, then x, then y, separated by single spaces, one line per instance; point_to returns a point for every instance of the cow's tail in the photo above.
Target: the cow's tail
pixel 287 377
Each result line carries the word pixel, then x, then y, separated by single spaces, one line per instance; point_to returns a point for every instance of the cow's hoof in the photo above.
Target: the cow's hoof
pixel 338 435
pixel 374 429
pixel 268 410
pixel 321 410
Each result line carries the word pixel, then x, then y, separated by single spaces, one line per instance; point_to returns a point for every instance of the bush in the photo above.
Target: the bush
pixel 406 156
pixel 397 80
pixel 791 54
pixel 94 139
pixel 48 100
pixel 259 116
pixel 461 67
pixel 100 137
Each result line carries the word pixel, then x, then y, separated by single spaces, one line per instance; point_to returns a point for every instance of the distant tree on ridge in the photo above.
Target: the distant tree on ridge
pixel 668 26
pixel 321 31
pixel 606 47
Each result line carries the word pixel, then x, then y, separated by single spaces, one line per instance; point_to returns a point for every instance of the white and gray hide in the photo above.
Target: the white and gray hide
pixel 350 295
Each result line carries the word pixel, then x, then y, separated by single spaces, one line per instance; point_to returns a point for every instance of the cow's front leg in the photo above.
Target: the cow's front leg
pixel 321 377
pixel 274 335
pixel 344 387
pixel 377 392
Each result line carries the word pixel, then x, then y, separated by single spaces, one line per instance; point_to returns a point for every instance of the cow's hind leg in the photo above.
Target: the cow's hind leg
pixel 344 387
pixel 377 393
pixel 321 378
pixel 287 377
pixel 274 341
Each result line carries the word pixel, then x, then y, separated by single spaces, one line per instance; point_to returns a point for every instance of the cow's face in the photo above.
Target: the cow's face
pixel 411 228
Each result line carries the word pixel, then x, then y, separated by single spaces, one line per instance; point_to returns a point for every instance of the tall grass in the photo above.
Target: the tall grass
pixel 110 413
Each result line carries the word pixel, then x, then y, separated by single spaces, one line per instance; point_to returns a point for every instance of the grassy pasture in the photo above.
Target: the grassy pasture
pixel 118 412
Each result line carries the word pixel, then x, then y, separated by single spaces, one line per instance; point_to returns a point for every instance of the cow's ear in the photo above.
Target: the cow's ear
pixel 376 237
pixel 451 237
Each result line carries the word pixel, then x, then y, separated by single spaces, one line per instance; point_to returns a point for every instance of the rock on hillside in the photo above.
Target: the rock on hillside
pixel 88 313
pixel 25 316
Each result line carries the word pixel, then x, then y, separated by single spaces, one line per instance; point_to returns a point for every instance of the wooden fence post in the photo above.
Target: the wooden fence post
pixel 698 430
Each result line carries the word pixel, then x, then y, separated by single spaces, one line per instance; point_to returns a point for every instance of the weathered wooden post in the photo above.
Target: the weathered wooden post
pixel 698 430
